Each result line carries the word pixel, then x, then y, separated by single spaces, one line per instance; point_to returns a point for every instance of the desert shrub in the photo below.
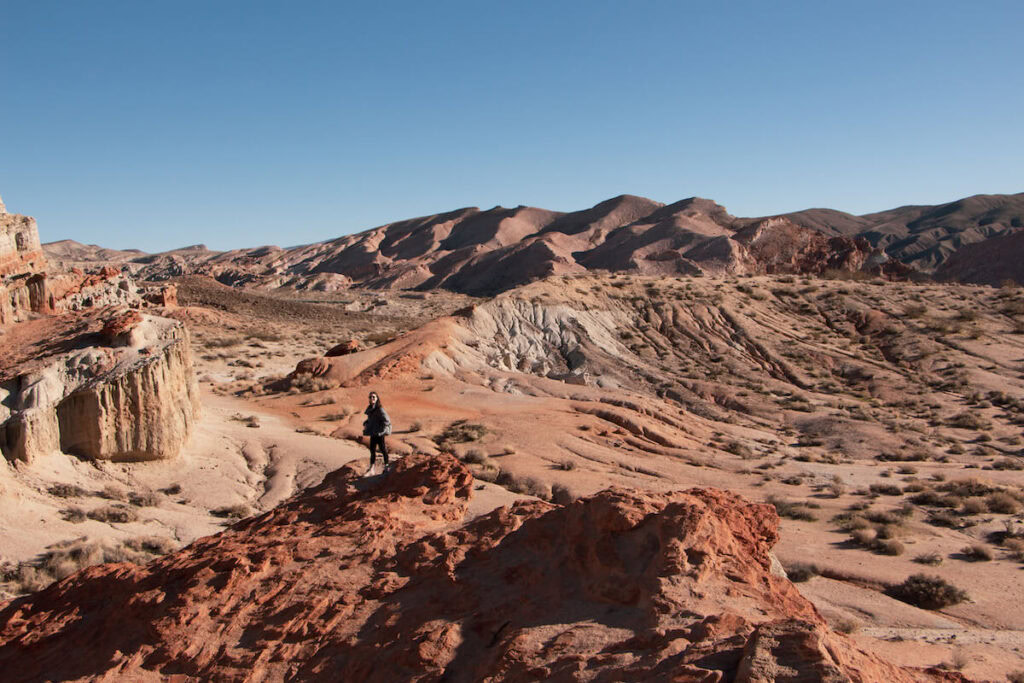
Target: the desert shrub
pixel 488 474
pixel 927 592
pixel 224 342
pixel 740 449
pixel 945 519
pixel 792 510
pixel 864 537
pixel 888 531
pixel 114 514
pixel 888 546
pixel 978 553
pixel 474 456
pixel 886 489
pixel 846 626
pixel 416 426
pixel 1015 677
pixel 155 545
pixel 144 498
pixel 460 431
pixel 567 465
pixel 968 487
pixel 237 511
pixel 1008 464
pixel 967 420
pixel 67 491
pixel 1015 546
pixel 561 495
pixel 883 517
pixel 931 559
pixel 111 492
pixel 310 384
pixel 73 514
pixel 974 506
pixel 849 522
pixel 536 487
pixel 799 572
pixel 1003 503
pixel 172 490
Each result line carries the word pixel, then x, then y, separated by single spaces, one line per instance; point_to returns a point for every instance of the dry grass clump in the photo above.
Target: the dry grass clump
pixel 927 592
pixel 931 559
pixel 567 465
pixel 798 572
pixel 73 514
pixel 528 485
pixel 1002 503
pixel 67 491
pixel 114 514
pixel 309 384
pixel 1008 464
pixel 978 553
pixel 792 510
pixel 968 420
pixel 885 490
pixel 67 557
pixel 237 511
pixel 224 342
pixel 561 495
pixel 888 546
pixel 475 456
pixel 144 498
pixel 113 492
pixel 1014 546
pixel 155 545
pixel 460 431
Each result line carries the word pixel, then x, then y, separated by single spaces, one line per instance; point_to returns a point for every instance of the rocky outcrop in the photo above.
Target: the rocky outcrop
pixel 383 580
pixel 20 251
pixel 125 391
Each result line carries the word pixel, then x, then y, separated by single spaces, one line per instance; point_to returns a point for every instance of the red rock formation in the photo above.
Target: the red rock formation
pixel 344 348
pixel 120 325
pixel 380 579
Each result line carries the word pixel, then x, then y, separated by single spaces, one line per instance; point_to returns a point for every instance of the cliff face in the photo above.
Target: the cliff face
pixel 133 397
pixel 144 413
pixel 387 580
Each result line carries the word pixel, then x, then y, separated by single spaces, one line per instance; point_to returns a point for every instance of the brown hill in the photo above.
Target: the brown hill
pixel 925 236
pixel 70 251
pixel 991 262
pixel 485 252
pixel 385 579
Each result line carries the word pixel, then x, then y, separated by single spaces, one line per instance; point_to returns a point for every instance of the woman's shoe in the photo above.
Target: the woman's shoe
pixel 371 471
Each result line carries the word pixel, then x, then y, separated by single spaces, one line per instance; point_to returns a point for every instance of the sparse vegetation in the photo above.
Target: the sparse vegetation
pixel 114 514
pixel 237 511
pixel 928 592
pixel 461 431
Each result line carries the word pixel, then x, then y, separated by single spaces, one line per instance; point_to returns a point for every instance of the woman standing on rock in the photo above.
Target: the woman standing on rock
pixel 376 426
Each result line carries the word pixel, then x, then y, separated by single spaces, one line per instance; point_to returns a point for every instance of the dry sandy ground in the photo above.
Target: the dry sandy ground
pixel 773 387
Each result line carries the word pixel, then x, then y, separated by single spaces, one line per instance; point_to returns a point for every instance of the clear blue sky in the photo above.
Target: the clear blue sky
pixel 156 124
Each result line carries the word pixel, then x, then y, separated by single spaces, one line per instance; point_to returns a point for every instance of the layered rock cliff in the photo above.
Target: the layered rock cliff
pixel 386 579
pixel 133 397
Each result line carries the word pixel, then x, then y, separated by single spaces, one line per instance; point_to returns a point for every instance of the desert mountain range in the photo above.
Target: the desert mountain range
pixel 485 252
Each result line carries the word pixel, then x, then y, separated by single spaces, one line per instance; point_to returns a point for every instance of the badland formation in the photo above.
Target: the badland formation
pixel 634 442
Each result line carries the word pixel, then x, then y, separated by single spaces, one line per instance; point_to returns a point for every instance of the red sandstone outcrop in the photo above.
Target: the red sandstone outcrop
pixel 384 579
pixel 344 348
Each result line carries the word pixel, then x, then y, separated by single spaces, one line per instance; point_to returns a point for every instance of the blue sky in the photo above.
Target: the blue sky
pixel 159 124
